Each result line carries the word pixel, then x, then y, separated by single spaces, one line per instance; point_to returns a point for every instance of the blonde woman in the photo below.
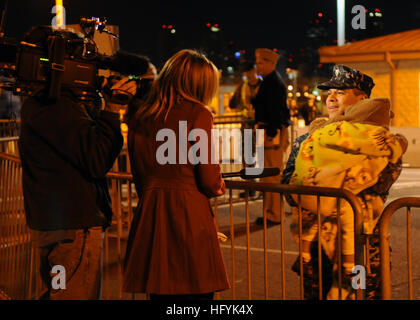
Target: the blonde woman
pixel 173 250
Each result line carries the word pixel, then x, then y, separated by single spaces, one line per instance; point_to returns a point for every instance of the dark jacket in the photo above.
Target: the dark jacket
pixel 65 156
pixel 270 104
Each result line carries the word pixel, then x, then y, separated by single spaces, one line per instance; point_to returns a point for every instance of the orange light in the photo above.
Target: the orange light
pixel 59 13
pixel 320 15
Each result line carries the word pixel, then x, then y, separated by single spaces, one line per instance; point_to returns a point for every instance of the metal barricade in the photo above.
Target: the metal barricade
pixel 124 198
pixel 231 146
pixel 384 224
pixel 18 263
pixel 16 254
pixel 9 136
pixel 300 191
pixel 121 179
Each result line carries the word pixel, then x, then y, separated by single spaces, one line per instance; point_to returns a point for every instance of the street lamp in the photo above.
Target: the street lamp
pixel 341 20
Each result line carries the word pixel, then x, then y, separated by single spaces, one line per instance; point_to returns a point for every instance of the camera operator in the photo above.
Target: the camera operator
pixel 66 153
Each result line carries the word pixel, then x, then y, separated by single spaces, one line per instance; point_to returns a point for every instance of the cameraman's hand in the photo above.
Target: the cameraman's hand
pixel 125 84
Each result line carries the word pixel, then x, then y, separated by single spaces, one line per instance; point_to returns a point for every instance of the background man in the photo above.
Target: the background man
pixel 246 91
pixel 273 115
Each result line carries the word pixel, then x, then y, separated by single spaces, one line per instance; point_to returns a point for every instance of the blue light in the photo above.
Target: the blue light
pixel 237 55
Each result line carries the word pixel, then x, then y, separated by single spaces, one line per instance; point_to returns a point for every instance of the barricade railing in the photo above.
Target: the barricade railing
pixel 340 194
pixel 385 260
pixel 16 254
pixel 18 262
pixel 121 179
pixel 9 136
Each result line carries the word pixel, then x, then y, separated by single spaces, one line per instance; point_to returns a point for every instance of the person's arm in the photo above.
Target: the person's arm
pixel 209 177
pixel 91 145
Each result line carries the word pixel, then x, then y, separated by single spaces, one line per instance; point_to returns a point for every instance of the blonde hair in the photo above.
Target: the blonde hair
pixel 187 75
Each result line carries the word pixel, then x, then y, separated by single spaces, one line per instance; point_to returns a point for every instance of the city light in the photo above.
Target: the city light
pixel 237 55
pixel 215 28
pixel 173 31
pixel 290 88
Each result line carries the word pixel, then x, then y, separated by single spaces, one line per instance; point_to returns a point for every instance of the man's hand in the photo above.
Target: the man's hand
pixel 127 86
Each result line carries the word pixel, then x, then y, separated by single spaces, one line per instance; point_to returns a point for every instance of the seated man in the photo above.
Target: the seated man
pixel 327 160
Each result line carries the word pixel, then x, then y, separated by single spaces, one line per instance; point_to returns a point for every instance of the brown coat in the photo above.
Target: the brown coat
pixel 173 246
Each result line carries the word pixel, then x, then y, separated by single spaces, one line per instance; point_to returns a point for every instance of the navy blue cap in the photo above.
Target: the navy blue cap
pixel 348 78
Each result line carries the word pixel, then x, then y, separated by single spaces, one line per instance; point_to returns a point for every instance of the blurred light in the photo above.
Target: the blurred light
pixel 377 10
pixel 316 21
pixel 315 92
pixel 215 29
pixel 290 95
pixel 306 94
pixel 275 50
pixel 371 14
pixel 216 25
pixel 301 123
pixel 60 19
pixel 170 26
pixel 318 98
pixel 208 24
pixel 173 31
pixel 290 88
pixel 124 128
pixel 378 14
pixel 230 69
pixel 164 26
pixel 320 14
pixel 298 94
pixel 237 55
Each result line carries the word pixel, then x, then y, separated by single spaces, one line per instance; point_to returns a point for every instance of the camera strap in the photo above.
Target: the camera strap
pixel 56 54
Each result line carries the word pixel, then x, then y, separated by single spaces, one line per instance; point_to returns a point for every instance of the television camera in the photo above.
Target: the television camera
pixel 49 59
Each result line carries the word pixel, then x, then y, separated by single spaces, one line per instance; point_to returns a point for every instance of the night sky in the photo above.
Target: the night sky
pixel 249 24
